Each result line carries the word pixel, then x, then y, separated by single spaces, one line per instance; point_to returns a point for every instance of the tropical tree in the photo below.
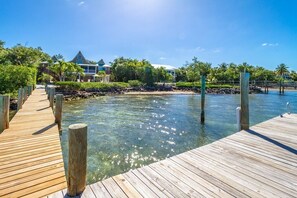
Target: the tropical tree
pixel 281 69
pixel 26 56
pixel 161 75
pixel 293 75
pixel 62 69
pixel 181 74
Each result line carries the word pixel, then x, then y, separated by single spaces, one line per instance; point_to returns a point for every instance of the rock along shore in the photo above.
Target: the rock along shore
pixel 70 95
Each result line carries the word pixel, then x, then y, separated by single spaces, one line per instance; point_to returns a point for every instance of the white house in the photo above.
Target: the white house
pixel 170 69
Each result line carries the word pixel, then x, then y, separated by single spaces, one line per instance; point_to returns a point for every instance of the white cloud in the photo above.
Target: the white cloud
pixel 162 58
pixel 270 44
pixel 81 3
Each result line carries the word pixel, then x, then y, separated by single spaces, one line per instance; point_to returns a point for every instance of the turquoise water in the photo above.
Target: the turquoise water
pixel 126 132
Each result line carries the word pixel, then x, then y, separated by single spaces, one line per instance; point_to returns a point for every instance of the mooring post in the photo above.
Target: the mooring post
pixel 29 90
pixel 238 111
pixel 24 94
pixel 77 159
pixel 244 100
pixel 202 116
pixel 283 87
pixel 4 112
pixel 52 97
pixel 288 105
pixel 20 98
pixel 58 110
pixel 48 92
pixel 280 87
pixel 46 89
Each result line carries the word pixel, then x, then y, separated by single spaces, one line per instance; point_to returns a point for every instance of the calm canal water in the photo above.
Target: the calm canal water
pixel 126 132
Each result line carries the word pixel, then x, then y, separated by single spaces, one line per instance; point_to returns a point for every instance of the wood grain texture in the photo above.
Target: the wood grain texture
pixel 259 162
pixel 31 162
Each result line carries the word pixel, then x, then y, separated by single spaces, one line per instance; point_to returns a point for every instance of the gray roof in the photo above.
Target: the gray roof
pixel 101 62
pixel 80 59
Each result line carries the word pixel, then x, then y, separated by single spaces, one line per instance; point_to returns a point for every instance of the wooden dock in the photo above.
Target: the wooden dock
pixel 31 162
pixel 260 162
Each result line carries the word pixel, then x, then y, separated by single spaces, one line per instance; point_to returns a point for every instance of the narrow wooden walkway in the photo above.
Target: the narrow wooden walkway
pixel 261 162
pixel 31 163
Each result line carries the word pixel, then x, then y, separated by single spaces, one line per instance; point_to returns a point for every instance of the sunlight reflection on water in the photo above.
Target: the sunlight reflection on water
pixel 126 132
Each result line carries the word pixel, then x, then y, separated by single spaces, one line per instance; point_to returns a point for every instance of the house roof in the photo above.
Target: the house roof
pixel 101 62
pixel 167 67
pixel 80 59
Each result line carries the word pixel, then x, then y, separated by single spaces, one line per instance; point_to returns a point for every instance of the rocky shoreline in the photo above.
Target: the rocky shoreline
pixel 76 95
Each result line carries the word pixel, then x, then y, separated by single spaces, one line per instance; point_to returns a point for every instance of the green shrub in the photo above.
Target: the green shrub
pixel 197 85
pixel 188 84
pixel 134 83
pixel 13 77
pixel 91 86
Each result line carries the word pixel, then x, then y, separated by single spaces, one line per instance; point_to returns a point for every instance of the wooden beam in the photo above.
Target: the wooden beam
pixel 202 115
pixel 244 100
pixel 58 110
pixel 20 99
pixel 4 112
pixel 77 161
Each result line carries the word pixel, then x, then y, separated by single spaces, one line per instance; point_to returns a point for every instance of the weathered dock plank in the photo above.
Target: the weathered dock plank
pixel 31 162
pixel 259 162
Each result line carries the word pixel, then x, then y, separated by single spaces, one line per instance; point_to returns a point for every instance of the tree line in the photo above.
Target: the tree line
pixel 127 69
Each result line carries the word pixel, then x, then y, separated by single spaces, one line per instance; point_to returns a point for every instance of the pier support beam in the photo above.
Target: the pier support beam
pixel 77 161
pixel 4 112
pixel 24 94
pixel 30 89
pixel 20 98
pixel 51 97
pixel 238 112
pixel 244 100
pixel 58 110
pixel 202 115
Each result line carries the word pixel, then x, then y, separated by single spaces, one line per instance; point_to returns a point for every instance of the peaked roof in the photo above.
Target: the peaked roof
pixel 80 59
pixel 101 62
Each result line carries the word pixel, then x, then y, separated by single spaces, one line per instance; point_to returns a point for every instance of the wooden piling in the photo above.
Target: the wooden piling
pixel 77 159
pixel 202 115
pixel 238 112
pixel 280 87
pixel 20 98
pixel 283 88
pixel 52 97
pixel 4 112
pixel 24 94
pixel 58 110
pixel 46 89
pixel 244 100
pixel 29 90
pixel 48 92
pixel 266 87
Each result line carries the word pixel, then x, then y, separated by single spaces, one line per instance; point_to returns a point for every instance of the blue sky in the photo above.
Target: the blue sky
pixel 260 32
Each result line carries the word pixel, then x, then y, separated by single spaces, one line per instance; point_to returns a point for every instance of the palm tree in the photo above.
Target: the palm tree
pixel 281 70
